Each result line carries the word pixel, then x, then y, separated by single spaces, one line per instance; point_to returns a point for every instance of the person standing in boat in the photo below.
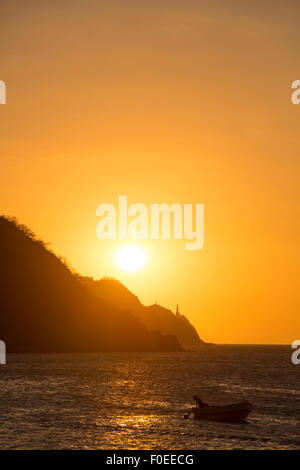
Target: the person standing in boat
pixel 199 403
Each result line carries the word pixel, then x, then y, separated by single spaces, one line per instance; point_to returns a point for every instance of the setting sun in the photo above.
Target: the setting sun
pixel 131 258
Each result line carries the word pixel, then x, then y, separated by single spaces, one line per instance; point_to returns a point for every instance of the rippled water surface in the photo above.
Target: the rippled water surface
pixel 137 401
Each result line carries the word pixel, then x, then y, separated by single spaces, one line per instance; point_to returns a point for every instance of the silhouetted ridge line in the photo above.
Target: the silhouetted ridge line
pixel 45 308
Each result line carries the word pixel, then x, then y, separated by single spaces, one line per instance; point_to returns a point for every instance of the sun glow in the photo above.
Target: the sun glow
pixel 131 258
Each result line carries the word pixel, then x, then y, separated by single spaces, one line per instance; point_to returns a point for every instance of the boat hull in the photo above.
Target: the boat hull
pixel 236 413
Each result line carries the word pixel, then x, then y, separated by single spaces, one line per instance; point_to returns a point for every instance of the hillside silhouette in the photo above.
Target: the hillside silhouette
pixel 153 317
pixel 44 307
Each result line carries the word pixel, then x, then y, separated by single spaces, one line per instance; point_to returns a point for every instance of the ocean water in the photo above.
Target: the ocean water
pixel 137 401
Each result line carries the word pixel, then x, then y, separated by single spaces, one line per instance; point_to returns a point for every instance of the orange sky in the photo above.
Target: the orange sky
pixel 167 101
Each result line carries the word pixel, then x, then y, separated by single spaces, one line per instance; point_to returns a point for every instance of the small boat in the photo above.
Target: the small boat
pixel 235 413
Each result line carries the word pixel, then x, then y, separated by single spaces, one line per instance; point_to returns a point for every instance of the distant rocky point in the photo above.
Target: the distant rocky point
pixel 153 317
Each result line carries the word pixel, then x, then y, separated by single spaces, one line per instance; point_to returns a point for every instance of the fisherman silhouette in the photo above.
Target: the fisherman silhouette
pixel 199 403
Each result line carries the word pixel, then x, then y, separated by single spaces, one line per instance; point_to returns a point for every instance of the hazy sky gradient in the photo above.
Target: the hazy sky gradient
pixel 163 101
